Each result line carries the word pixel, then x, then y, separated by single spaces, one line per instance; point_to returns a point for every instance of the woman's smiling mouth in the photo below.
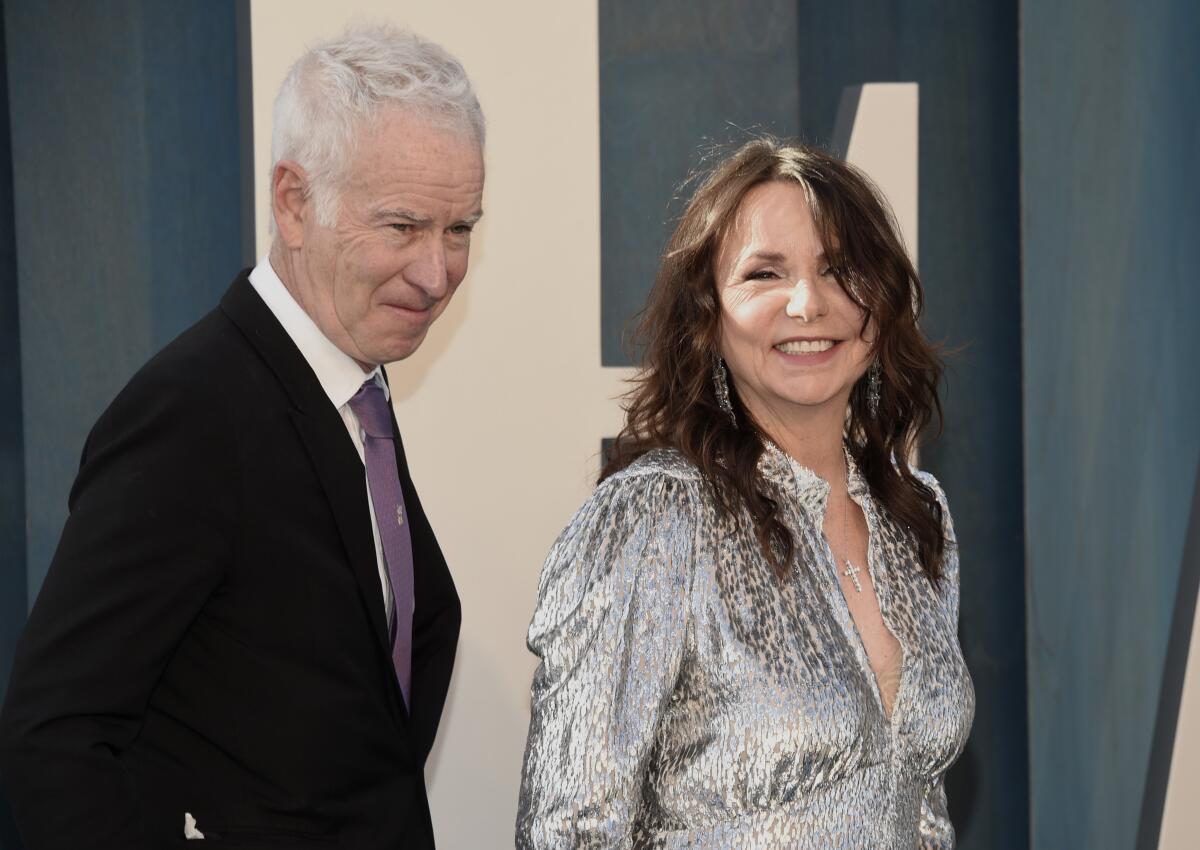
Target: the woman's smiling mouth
pixel 807 352
pixel 807 346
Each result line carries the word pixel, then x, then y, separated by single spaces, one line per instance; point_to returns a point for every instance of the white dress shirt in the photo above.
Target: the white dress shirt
pixel 340 376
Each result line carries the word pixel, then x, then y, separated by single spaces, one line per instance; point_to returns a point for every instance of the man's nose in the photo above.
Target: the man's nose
pixel 806 302
pixel 427 271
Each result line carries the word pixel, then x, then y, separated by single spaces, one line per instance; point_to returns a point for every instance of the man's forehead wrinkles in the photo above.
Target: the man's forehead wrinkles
pixel 394 182
pixel 420 205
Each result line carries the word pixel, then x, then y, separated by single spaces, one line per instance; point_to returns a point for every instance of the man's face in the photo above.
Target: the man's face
pixel 377 279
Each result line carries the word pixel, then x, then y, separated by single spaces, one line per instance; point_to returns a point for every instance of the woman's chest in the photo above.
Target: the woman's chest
pixel 777 677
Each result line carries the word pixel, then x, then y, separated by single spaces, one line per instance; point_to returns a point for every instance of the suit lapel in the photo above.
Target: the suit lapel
pixel 329 447
pixel 342 479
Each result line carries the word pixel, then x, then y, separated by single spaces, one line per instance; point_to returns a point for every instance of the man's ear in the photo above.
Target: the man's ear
pixel 290 202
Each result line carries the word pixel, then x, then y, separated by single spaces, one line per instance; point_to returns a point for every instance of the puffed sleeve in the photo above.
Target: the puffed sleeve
pixel 609 629
pixel 936 831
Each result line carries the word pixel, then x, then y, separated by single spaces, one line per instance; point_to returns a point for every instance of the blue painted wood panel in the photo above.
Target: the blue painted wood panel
pixel 677 78
pixel 1111 164
pixel 12 445
pixel 964 58
pixel 125 150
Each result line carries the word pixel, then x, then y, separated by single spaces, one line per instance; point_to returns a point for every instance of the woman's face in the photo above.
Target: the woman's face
pixel 789 333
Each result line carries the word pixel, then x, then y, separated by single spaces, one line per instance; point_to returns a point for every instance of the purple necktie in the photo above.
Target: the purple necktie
pixel 375 416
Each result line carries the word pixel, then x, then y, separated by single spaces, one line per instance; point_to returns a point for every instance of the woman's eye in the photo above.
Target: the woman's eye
pixel 827 271
pixel 762 274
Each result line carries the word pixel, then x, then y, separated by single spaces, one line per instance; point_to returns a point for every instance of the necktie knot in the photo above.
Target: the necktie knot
pixel 370 405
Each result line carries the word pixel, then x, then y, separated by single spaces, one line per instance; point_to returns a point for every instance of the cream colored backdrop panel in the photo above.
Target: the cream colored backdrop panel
pixel 504 406
pixel 884 144
pixel 1181 815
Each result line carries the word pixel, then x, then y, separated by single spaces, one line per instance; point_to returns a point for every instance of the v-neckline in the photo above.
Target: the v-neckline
pixel 850 626
pixel 813 493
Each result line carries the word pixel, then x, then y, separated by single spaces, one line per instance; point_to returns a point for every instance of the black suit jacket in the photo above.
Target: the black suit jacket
pixel 211 635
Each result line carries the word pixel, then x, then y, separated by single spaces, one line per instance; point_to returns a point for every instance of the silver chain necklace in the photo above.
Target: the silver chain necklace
pixel 851 571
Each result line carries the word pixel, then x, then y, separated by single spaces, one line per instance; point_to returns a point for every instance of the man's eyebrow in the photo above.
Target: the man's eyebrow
pixel 397 213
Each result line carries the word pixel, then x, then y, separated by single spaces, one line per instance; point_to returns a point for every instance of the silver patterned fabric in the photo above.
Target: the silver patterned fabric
pixel 687 698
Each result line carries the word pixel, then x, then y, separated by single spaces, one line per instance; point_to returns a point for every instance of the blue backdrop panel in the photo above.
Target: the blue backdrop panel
pixel 676 77
pixel 1111 161
pixel 12 453
pixel 964 58
pixel 12 447
pixel 669 79
pixel 125 150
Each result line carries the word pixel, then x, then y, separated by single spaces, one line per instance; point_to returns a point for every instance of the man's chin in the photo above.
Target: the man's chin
pixel 399 349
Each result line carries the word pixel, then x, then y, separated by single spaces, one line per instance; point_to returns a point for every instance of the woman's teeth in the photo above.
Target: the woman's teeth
pixel 805 346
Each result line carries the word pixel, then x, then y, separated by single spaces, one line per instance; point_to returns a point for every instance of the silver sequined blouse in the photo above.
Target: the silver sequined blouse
pixel 688 699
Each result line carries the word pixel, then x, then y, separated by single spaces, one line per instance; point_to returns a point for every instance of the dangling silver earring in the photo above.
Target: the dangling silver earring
pixel 874 382
pixel 721 388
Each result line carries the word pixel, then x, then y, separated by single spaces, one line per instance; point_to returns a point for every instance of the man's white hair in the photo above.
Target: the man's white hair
pixel 338 86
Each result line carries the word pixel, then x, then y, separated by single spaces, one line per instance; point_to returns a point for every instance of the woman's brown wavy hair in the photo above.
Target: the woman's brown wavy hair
pixel 673 404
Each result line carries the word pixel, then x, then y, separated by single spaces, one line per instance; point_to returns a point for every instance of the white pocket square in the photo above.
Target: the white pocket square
pixel 189 827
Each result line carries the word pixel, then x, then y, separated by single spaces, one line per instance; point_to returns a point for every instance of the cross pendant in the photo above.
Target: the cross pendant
pixel 851 572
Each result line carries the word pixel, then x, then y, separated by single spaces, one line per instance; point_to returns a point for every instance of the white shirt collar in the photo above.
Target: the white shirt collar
pixel 340 376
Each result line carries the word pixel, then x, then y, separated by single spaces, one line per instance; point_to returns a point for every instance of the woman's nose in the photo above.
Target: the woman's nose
pixel 805 303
